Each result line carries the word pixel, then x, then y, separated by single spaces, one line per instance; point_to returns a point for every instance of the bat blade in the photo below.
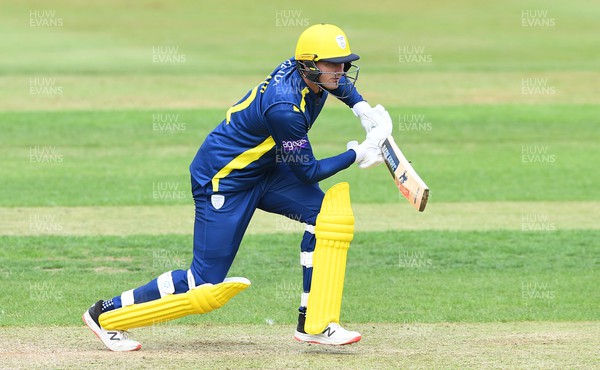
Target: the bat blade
pixel 412 187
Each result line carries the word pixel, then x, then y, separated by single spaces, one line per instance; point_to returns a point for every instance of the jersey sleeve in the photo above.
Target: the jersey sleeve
pixel 289 130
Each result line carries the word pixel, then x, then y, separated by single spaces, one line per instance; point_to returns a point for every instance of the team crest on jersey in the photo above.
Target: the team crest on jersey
pixel 341 41
pixel 217 200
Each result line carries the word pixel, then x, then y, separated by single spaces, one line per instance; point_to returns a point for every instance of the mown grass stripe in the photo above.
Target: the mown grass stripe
pixel 159 220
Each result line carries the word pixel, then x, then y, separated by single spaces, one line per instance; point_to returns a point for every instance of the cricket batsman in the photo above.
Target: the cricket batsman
pixel 260 156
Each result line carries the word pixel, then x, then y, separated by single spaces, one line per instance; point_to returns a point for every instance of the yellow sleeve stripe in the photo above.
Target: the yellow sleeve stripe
pixel 243 105
pixel 243 160
pixel 302 101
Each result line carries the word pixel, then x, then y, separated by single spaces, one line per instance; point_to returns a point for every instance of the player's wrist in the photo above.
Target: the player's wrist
pixel 359 150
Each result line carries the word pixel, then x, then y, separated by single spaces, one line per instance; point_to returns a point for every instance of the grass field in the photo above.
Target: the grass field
pixel 103 105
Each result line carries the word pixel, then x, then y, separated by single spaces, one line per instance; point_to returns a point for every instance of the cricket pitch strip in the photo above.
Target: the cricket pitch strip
pixel 513 345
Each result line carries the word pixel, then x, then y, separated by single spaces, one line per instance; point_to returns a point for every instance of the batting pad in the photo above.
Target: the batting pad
pixel 202 299
pixel 334 231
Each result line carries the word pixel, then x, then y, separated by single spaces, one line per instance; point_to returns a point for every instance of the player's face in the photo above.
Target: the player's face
pixel 332 74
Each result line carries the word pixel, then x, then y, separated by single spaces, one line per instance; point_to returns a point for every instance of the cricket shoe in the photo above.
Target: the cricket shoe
pixel 333 335
pixel 115 340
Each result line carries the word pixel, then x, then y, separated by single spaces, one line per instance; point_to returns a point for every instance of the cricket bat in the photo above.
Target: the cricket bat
pixel 406 178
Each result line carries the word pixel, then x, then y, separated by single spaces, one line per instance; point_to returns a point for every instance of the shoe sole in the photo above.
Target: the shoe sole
pixel 89 325
pixel 351 341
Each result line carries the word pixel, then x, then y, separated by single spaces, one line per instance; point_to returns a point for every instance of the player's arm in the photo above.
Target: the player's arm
pixel 370 117
pixel 289 131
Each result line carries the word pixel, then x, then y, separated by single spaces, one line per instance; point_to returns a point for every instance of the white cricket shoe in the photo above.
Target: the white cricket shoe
pixel 333 335
pixel 115 340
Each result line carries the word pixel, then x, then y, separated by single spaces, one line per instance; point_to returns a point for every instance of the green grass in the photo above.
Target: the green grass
pixel 465 153
pixel 103 54
pixel 105 151
pixel 398 277
pixel 462 35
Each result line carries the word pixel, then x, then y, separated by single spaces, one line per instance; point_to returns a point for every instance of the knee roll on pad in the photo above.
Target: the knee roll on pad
pixel 165 284
pixel 334 231
pixel 202 299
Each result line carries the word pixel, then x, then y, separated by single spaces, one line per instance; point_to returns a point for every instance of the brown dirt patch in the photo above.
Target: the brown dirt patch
pixel 384 346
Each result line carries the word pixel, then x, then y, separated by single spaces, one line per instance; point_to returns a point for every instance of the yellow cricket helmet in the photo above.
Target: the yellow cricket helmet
pixel 324 42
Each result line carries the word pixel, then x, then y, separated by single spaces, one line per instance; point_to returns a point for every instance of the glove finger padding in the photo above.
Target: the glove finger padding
pixel 368 122
pixel 379 133
pixel 380 108
pixel 368 153
pixel 384 125
pixel 373 158
pixel 378 114
pixel 371 118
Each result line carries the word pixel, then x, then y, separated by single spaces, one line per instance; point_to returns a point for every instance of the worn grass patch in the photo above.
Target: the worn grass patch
pixel 522 345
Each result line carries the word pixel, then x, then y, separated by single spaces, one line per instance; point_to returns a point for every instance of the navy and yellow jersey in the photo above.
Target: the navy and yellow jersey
pixel 266 128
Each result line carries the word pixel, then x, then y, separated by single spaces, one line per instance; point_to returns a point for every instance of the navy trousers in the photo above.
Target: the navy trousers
pixel 221 221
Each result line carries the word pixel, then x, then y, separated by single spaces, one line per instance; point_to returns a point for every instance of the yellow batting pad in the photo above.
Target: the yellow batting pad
pixel 334 231
pixel 202 299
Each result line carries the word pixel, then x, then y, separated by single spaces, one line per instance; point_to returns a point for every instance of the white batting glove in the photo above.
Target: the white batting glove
pixel 368 153
pixel 359 110
pixel 384 125
pixel 371 118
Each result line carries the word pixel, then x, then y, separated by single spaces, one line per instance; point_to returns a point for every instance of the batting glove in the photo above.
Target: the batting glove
pixel 368 153
pixel 371 118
